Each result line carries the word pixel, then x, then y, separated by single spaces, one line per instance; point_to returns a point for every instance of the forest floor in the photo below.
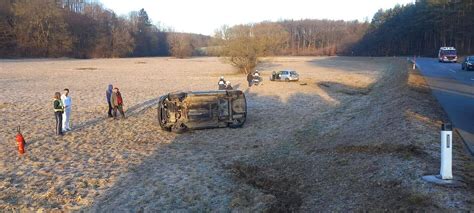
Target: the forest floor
pixel 353 134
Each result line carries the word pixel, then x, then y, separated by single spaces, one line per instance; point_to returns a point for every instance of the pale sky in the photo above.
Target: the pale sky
pixel 204 16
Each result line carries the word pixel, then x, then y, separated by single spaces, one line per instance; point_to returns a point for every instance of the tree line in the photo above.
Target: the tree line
pixel 243 45
pixel 84 29
pixel 420 29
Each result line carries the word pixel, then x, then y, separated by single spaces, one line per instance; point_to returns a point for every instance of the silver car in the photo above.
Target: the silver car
pixel 180 111
pixel 285 75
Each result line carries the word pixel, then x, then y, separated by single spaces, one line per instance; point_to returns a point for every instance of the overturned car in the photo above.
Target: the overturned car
pixel 181 111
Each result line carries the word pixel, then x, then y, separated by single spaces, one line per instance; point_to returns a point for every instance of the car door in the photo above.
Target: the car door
pixel 285 75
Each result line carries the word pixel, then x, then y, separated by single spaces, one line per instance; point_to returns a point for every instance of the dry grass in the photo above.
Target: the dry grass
pixel 357 136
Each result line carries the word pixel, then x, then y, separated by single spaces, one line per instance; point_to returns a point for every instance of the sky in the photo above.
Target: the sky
pixel 205 16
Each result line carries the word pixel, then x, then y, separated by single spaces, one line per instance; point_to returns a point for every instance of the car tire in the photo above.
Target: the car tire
pixel 159 117
pixel 462 67
pixel 287 80
pixel 239 122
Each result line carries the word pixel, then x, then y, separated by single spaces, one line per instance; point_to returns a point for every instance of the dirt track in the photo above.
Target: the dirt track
pixel 359 135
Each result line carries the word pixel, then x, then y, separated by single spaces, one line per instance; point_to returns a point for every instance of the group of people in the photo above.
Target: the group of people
pixel 254 78
pixel 62 111
pixel 223 84
pixel 62 107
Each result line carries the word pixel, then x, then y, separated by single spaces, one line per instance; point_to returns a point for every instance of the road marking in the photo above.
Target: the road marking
pixel 452 70
pixel 472 79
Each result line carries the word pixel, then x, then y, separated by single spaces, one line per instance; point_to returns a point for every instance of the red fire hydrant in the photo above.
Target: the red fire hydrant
pixel 21 142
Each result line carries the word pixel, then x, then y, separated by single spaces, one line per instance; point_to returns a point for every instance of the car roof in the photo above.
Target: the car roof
pixel 447 48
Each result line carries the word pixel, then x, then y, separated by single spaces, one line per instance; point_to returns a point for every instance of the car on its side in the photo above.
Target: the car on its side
pixel 468 63
pixel 285 75
pixel 181 111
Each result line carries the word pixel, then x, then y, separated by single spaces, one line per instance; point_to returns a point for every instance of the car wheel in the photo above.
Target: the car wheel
pixel 238 123
pixel 161 120
pixel 462 67
pixel 179 128
pixel 287 79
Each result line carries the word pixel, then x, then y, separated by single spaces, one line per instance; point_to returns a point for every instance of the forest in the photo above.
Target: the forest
pixel 420 29
pixel 85 29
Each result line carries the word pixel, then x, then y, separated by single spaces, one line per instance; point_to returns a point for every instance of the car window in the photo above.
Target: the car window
pixel 293 72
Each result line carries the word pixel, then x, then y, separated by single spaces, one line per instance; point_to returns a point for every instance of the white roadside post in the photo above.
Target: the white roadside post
pixel 445 176
pixel 414 62
pixel 446 170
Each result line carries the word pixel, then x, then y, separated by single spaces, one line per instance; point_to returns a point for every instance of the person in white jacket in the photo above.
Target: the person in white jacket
pixel 66 99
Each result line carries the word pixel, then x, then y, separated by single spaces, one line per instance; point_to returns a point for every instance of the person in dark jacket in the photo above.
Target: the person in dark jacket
pixel 250 78
pixel 108 94
pixel 58 113
pixel 117 102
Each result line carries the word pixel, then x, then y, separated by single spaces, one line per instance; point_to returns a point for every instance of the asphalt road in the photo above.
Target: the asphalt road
pixel 454 89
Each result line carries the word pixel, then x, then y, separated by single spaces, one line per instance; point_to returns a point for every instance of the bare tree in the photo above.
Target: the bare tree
pixel 242 45
pixel 41 29
pixel 122 40
pixel 180 45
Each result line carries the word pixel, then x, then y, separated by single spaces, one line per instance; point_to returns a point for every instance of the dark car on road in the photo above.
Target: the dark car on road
pixel 468 63
pixel 181 111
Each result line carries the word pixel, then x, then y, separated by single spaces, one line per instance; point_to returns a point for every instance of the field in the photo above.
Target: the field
pixel 353 134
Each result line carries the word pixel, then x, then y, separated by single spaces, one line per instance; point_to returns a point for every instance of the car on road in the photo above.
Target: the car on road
pixel 447 54
pixel 182 111
pixel 285 75
pixel 468 63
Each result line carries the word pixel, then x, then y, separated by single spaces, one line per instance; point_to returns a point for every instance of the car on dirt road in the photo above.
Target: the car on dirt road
pixel 468 63
pixel 182 111
pixel 285 75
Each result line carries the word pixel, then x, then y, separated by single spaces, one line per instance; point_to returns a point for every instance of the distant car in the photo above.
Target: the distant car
pixel 468 63
pixel 285 75
pixel 447 54
pixel 181 111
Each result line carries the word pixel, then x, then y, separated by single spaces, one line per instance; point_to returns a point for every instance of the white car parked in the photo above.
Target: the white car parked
pixel 285 75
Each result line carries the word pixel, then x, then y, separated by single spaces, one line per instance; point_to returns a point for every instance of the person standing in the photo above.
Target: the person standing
pixel 250 78
pixel 108 95
pixel 221 83
pixel 117 102
pixel 66 99
pixel 58 113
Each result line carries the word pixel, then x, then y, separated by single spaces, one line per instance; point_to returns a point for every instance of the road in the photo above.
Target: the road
pixel 454 89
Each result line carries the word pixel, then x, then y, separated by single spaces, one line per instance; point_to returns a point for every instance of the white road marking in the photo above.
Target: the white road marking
pixel 452 70
pixel 472 79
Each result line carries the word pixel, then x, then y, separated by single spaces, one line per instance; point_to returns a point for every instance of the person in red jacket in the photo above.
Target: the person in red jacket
pixel 117 102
